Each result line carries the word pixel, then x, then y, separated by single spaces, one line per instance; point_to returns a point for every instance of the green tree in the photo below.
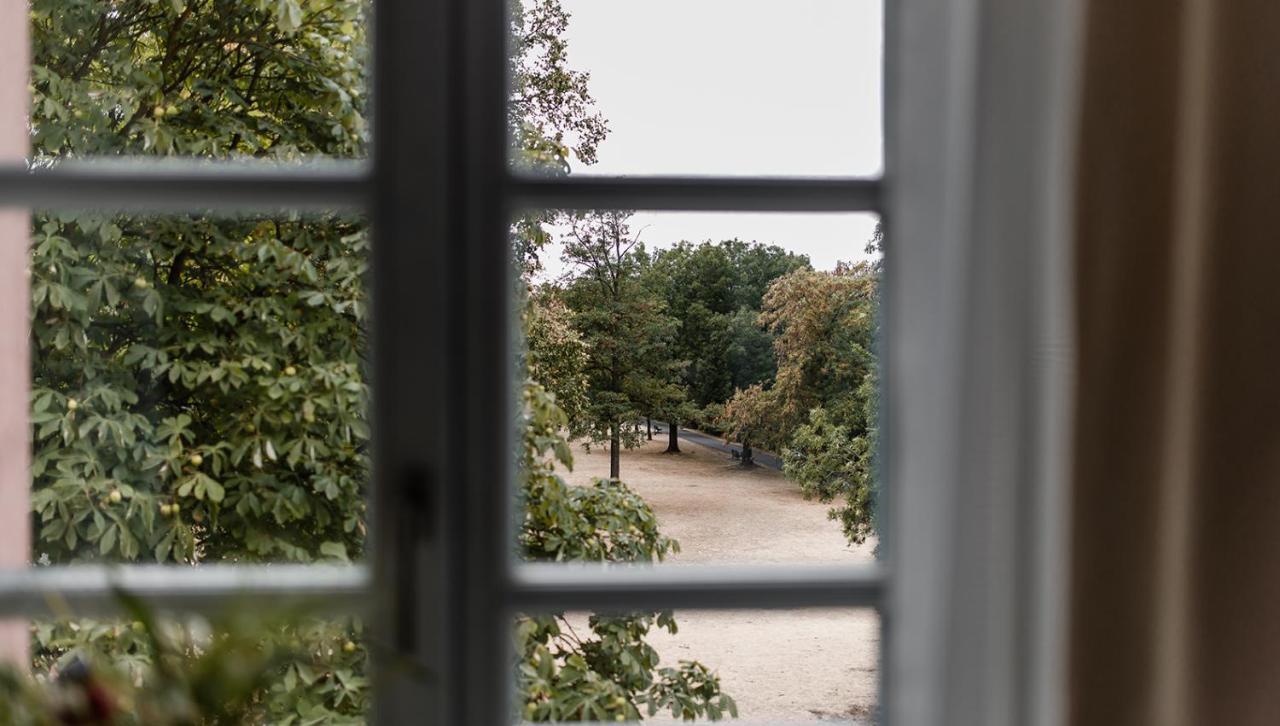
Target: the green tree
pixel 198 391
pixel 631 368
pixel 551 116
pixel 714 291
pixel 748 350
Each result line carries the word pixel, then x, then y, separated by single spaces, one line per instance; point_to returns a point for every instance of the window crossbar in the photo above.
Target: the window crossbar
pixel 94 590
pixel 337 185
pixel 697 194
pixel 555 587
pixel 189 185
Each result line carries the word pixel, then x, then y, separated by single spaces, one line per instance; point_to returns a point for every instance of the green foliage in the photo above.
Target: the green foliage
pixel 552 113
pixel 163 342
pixel 214 366
pixel 245 668
pixel 601 669
pixel 715 291
pixel 613 677
pixel 211 78
pixel 198 389
pixel 829 462
pixel 606 522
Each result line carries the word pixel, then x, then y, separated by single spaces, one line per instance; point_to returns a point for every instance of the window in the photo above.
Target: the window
pixel 968 195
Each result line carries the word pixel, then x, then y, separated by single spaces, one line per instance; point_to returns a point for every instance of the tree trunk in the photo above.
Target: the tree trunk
pixel 746 454
pixel 673 437
pixel 648 422
pixel 615 449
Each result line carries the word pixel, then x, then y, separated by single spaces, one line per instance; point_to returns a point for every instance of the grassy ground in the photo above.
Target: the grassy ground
pixel 780 665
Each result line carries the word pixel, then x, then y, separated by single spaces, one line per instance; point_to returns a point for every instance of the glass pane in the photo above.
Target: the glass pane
pixel 699 388
pixel 251 666
pixel 722 87
pixel 279 80
pixel 762 666
pixel 198 388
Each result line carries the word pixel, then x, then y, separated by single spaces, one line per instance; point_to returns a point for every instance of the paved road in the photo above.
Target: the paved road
pixel 763 458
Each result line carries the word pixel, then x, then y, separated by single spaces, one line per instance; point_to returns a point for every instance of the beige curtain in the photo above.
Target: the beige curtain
pixel 1176 517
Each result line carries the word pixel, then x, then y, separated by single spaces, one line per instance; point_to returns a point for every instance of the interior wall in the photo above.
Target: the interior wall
pixel 15 365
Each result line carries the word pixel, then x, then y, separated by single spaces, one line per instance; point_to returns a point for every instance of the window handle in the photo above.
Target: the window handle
pixel 416 527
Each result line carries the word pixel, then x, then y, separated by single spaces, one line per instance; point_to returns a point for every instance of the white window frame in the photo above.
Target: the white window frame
pixel 978 107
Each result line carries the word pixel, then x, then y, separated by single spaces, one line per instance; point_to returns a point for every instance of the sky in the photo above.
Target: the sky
pixel 736 87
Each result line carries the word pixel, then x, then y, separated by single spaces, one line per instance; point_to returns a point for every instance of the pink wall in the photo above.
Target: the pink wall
pixel 15 365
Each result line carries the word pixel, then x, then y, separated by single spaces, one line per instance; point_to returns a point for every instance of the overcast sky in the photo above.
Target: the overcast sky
pixel 775 87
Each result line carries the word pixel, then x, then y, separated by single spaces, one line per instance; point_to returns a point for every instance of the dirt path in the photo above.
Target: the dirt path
pixel 779 665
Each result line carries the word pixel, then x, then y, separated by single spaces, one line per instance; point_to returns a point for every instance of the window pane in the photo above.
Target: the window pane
pixel 699 388
pixel 198 388
pixel 722 87
pixel 252 666
pixel 279 80
pixel 765 666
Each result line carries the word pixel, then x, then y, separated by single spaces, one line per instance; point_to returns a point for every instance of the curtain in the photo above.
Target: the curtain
pixel 1175 593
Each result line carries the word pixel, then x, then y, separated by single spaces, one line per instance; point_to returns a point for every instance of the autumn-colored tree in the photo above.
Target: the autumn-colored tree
pixel 823 323
pixel 750 418
pixel 556 356
pixel 821 411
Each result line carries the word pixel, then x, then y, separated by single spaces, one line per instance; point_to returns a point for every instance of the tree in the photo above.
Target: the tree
pixel 749 417
pixel 821 411
pixel 748 349
pixel 556 356
pixel 631 370
pixel 823 323
pixel 714 292
pixel 198 389
pixel 551 115
pixel 831 460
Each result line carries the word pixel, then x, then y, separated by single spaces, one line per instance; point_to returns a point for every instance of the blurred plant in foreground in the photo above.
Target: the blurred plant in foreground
pixel 245 667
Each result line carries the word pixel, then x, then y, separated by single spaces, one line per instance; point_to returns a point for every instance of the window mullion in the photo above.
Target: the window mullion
pixel 484 354
pixel 413 227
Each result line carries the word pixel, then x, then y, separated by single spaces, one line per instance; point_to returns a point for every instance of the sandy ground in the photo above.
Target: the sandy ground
pixel 803 665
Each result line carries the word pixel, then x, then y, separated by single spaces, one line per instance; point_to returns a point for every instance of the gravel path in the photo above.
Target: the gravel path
pixel 763 458
pixel 803 665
